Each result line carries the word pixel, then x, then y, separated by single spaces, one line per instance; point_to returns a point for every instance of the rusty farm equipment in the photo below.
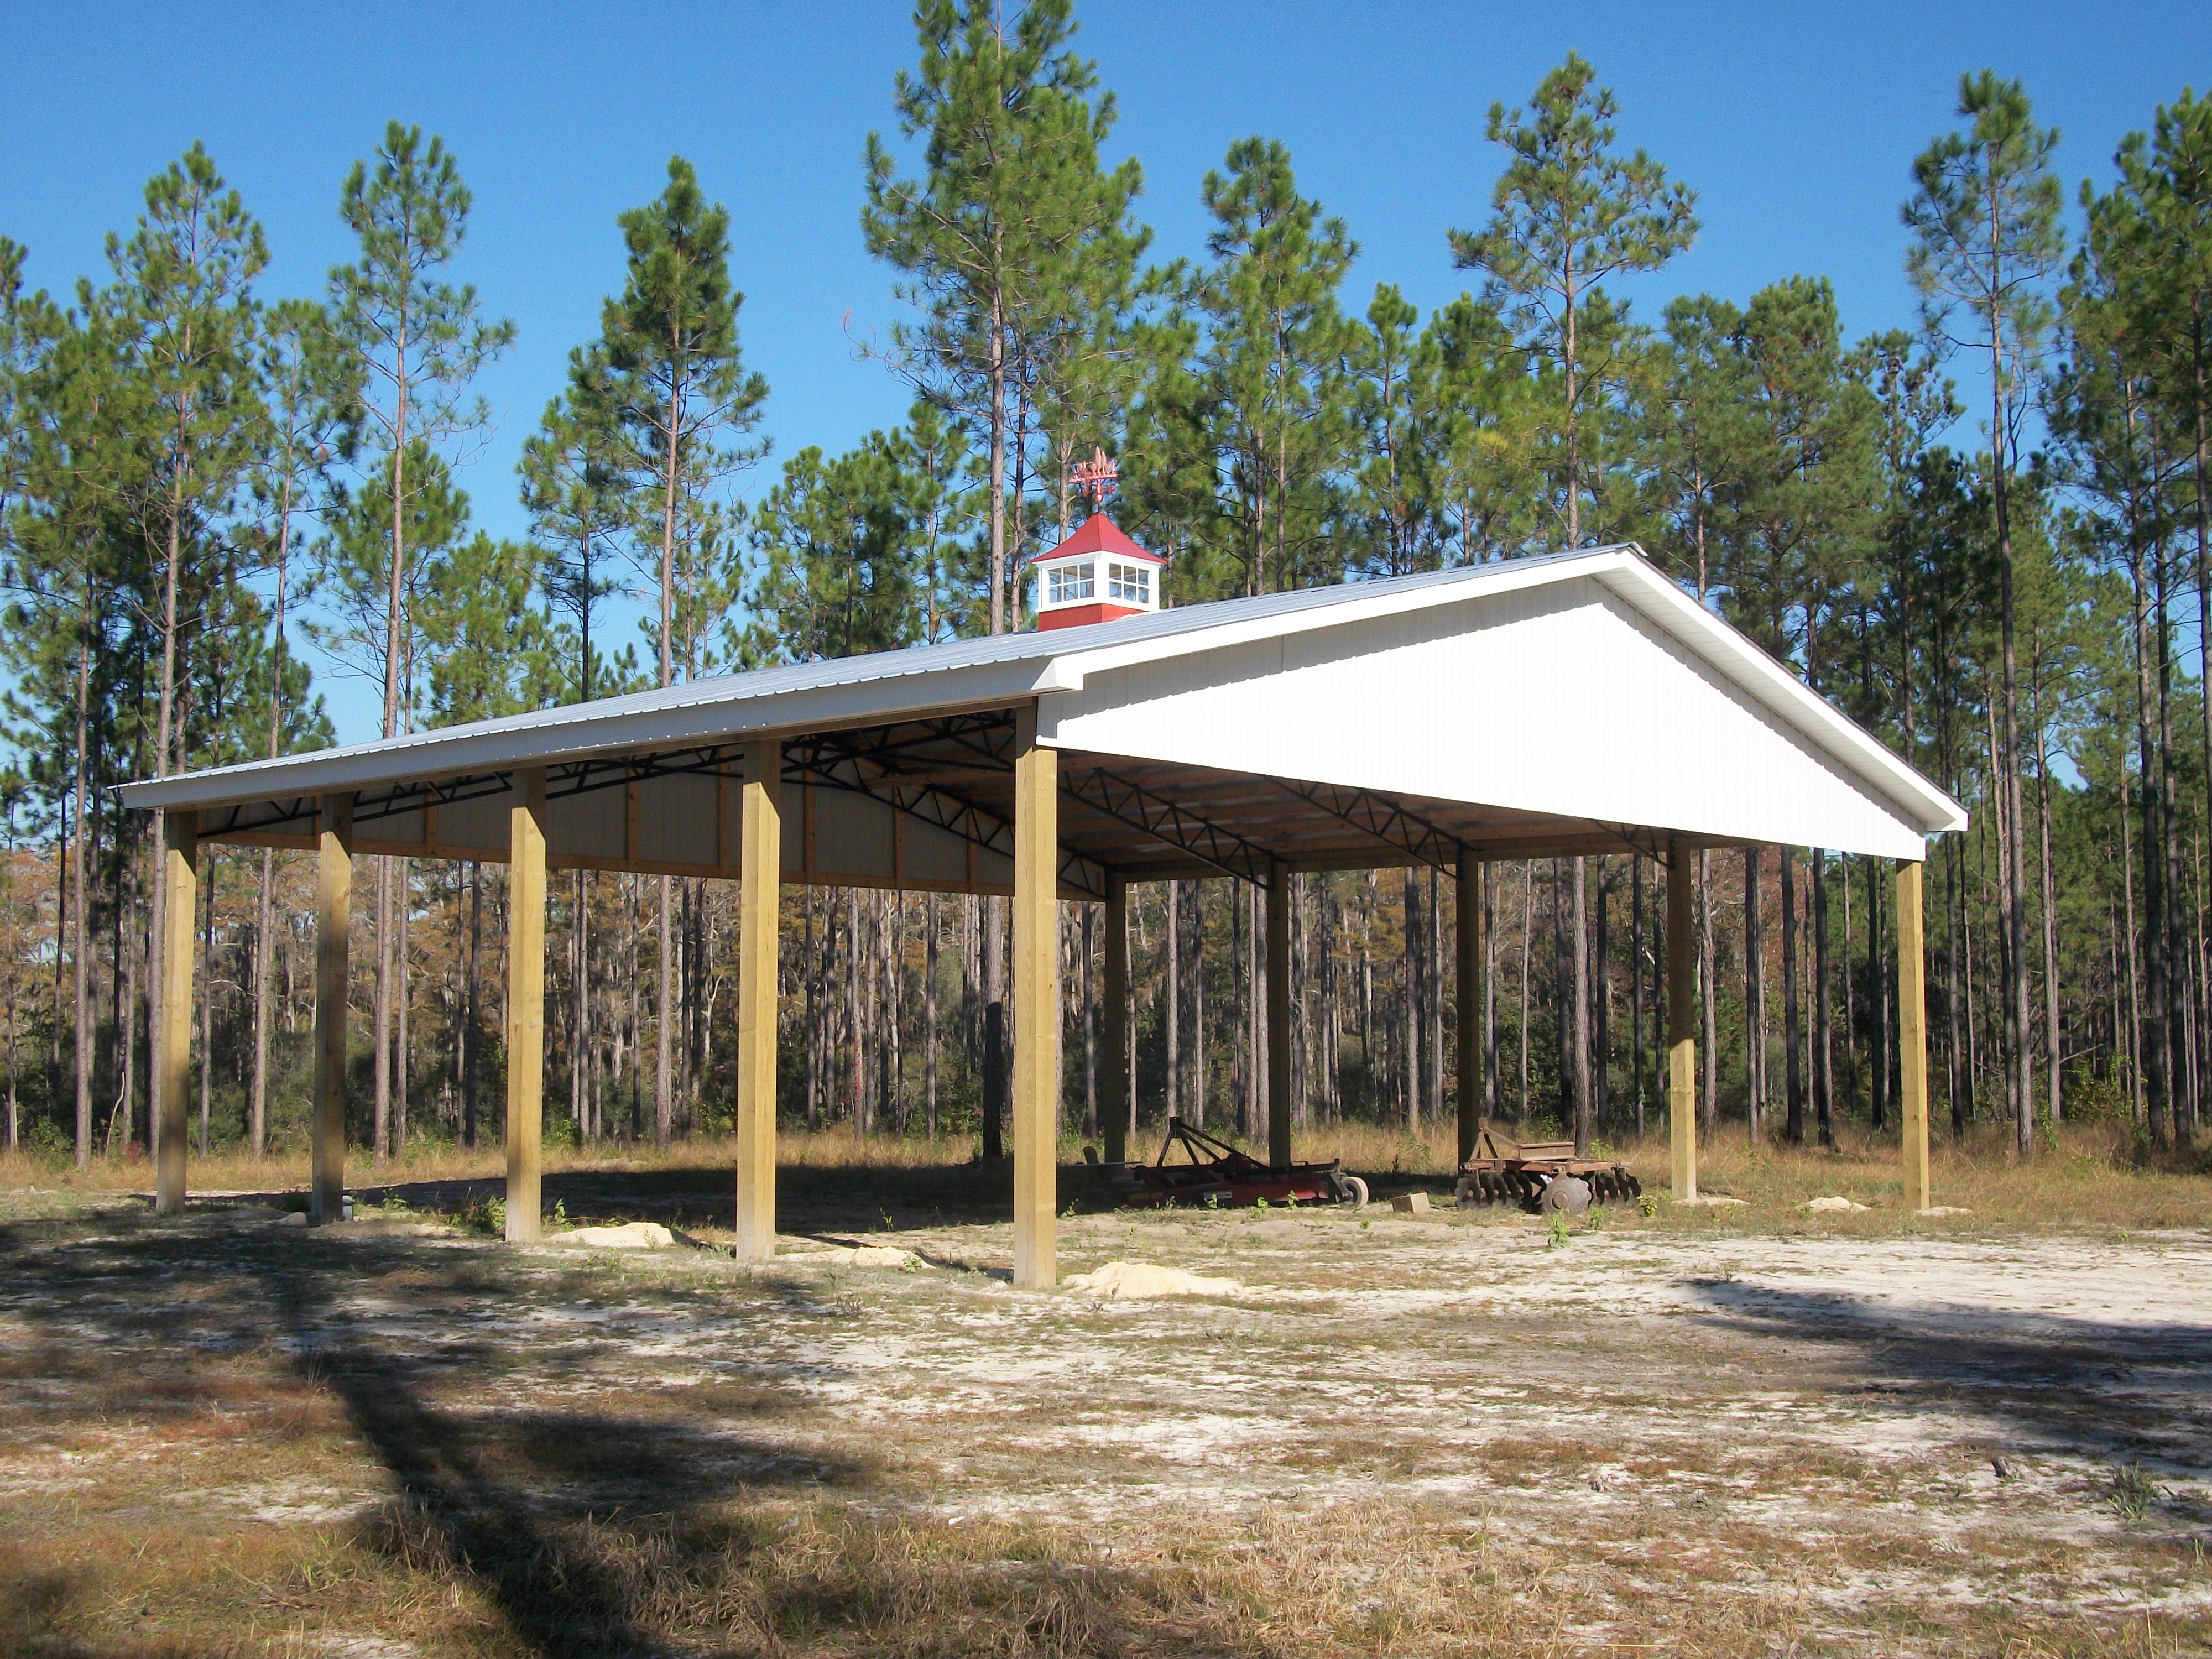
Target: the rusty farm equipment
pixel 1538 1174
pixel 1212 1172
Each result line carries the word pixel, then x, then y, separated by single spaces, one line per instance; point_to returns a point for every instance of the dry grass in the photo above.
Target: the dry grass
pixel 219 1435
pixel 2075 1182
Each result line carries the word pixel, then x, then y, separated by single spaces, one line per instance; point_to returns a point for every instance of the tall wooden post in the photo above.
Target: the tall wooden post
pixel 759 896
pixel 1682 1025
pixel 1912 1033
pixel 526 1005
pixel 1037 1006
pixel 1115 1107
pixel 1473 964
pixel 173 1072
pixel 326 1124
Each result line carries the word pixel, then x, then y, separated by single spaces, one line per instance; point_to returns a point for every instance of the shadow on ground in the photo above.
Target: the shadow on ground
pixel 2119 1392
pixel 570 1519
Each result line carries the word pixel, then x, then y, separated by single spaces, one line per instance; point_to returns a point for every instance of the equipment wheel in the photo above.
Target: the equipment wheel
pixel 1565 1195
pixel 1353 1192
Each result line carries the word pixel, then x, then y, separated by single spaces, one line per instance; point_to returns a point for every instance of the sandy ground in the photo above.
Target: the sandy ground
pixel 1636 1437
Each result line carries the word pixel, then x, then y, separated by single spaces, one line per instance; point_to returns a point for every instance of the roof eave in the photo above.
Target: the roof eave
pixel 504 745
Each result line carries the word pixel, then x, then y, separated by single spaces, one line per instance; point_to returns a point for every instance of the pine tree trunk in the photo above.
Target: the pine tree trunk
pixel 929 1019
pixel 1636 985
pixel 79 966
pixel 1793 1054
pixel 1600 991
pixel 1172 1009
pixel 2052 1033
pixel 1528 933
pixel 1563 997
pixel 403 999
pixel 1824 1070
pixel 207 1003
pixel 1754 1001
pixel 1582 1011
pixel 1708 1052
pixel 1410 1096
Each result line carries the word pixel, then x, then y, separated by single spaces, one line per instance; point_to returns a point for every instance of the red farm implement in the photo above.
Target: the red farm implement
pixel 1211 1170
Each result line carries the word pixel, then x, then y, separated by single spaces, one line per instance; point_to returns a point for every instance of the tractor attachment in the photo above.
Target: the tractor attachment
pixel 1215 1171
pixel 1538 1174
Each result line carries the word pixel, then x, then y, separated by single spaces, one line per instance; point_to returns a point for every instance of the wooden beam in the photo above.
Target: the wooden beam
pixel 180 907
pixel 526 1006
pixel 760 892
pixel 1472 963
pixel 1912 1032
pixel 1037 1006
pixel 1682 1025
pixel 1278 1018
pixel 326 1127
pixel 1116 1106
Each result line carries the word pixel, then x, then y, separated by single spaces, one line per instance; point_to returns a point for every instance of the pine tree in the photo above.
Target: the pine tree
pixel 1987 245
pixel 411 343
pixel 289 483
pixel 680 390
pixel 837 545
pixel 1273 366
pixel 1010 197
pixel 577 491
pixel 183 315
pixel 1569 212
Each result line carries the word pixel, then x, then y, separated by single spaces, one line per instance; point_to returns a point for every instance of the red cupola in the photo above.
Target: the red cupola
pixel 1097 574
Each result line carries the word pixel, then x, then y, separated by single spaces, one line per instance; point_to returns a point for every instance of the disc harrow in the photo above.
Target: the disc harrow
pixel 1522 1173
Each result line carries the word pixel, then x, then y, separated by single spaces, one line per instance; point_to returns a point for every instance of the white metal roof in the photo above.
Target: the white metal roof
pixel 996 671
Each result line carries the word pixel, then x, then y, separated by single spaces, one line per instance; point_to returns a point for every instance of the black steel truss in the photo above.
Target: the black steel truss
pixel 1638 839
pixel 1394 826
pixel 868 763
pixel 1170 822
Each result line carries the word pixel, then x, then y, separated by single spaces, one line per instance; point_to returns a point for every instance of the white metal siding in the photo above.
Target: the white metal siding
pixel 1559 698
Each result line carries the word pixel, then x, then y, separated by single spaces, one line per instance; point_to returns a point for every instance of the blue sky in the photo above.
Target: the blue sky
pixel 1795 124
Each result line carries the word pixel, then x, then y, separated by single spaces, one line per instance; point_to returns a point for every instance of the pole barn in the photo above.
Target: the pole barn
pixel 1575 703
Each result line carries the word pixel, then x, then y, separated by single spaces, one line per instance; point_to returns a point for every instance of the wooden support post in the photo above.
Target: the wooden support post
pixel 326 1124
pixel 1115 1105
pixel 1473 963
pixel 525 1005
pixel 1037 1006
pixel 1278 1016
pixel 760 895
pixel 172 1073
pixel 1681 1024
pixel 1913 1034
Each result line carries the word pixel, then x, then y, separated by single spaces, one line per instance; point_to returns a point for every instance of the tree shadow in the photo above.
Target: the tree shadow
pixel 558 1515
pixel 2123 1390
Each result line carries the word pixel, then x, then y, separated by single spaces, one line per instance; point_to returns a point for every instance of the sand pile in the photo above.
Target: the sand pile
pixel 630 1235
pixel 1132 1281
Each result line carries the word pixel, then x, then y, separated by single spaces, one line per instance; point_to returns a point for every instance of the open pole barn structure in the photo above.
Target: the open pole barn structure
pixel 1574 703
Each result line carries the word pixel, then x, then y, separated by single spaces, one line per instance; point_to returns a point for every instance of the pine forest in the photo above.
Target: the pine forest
pixel 1988 539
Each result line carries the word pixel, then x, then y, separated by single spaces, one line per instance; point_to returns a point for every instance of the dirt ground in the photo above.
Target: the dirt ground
pixel 1449 1434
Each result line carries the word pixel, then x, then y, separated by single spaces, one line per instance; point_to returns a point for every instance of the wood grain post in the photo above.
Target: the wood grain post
pixel 760 895
pixel 1037 1006
pixel 1278 1015
pixel 172 1074
pixel 1912 1033
pixel 526 1005
pixel 326 1123
pixel 1116 1106
pixel 1682 1025
pixel 1473 963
